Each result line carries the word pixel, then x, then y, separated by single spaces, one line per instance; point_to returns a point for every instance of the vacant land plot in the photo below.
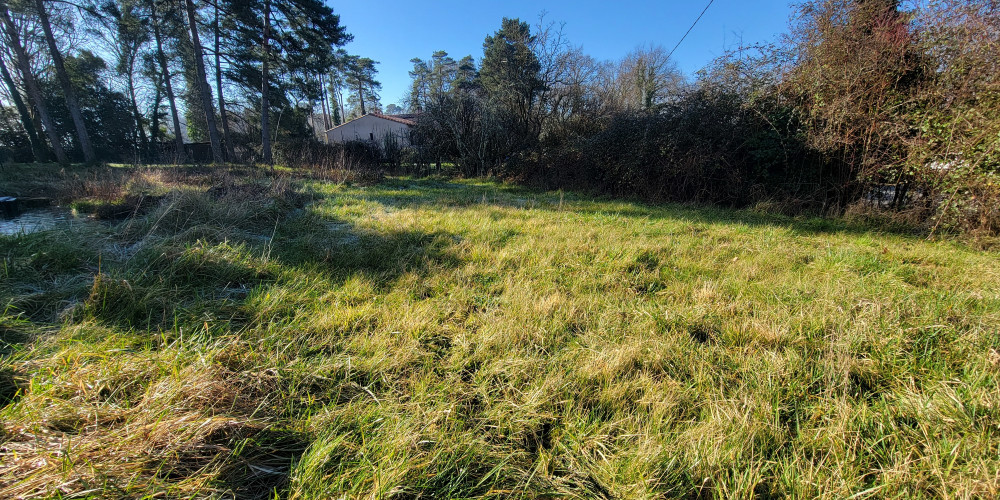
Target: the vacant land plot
pixel 308 339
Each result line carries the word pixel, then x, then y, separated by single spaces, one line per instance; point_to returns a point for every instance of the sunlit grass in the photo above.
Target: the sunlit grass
pixel 455 339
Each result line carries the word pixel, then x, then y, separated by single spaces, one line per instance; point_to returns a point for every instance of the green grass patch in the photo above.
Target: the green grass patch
pixel 260 336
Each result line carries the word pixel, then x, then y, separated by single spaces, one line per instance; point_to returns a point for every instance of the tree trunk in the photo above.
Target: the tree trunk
pixel 323 103
pixel 265 105
pixel 340 102
pixel 162 59
pixel 37 121
pixel 329 107
pixel 37 148
pixel 29 82
pixel 227 136
pixel 136 115
pixel 361 97
pixel 67 87
pixel 204 89
pixel 154 123
pixel 312 116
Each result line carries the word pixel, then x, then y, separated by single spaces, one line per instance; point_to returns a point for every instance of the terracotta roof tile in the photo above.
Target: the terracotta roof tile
pixel 394 118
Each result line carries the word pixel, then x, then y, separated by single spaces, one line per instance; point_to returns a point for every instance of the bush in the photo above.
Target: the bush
pixel 359 160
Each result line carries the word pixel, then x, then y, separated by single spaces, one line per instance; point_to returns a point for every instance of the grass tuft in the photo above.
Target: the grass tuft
pixel 253 335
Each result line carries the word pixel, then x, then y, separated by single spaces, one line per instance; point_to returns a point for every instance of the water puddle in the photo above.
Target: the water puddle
pixel 41 219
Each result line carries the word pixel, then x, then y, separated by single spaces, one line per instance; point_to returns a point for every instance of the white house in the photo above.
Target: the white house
pixel 371 127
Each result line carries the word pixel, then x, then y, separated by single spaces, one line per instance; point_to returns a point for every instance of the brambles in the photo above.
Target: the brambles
pixel 880 107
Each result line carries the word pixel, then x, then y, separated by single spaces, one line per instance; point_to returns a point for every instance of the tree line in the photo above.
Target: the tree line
pixel 132 80
pixel 866 105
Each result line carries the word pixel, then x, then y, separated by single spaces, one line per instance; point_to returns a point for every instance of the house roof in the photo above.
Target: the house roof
pixel 395 118
pixel 392 118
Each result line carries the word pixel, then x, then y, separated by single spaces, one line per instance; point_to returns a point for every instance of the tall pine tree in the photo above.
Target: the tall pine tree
pixel 273 44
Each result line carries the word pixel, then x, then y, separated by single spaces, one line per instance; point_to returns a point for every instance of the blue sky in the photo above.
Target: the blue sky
pixel 395 31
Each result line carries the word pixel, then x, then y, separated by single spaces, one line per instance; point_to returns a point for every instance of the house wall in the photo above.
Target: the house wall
pixel 367 128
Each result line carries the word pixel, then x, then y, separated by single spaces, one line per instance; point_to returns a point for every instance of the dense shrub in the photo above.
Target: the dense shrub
pixel 709 145
pixel 311 154
pixel 870 105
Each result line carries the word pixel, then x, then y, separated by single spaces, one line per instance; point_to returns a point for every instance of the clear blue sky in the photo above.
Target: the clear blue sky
pixel 395 31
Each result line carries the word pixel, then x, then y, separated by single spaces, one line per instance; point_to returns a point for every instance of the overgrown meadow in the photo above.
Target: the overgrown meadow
pixel 258 334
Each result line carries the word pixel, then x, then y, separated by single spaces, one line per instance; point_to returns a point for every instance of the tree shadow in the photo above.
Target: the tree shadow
pixel 174 281
pixel 13 335
pixel 180 290
pixel 340 249
pixel 262 469
pixel 11 386
pixel 202 272
pixel 412 193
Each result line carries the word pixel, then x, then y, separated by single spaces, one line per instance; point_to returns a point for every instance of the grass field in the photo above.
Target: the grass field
pixel 301 338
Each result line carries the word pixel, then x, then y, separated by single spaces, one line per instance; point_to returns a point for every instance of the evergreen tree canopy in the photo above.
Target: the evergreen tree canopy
pixel 362 86
pixel 509 72
pixel 303 38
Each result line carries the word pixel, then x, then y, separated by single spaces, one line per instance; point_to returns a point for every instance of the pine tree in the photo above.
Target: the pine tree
pixel 204 91
pixel 509 72
pixel 360 78
pixel 161 59
pixel 223 116
pixel 34 91
pixel 67 87
pixel 274 43
pixel 125 30
pixel 37 149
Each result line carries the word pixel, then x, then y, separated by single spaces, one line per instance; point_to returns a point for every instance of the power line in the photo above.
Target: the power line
pixel 691 28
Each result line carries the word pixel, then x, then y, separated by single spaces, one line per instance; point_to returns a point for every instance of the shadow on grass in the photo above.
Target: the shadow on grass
pixel 12 382
pixel 197 262
pixel 12 336
pixel 407 192
pixel 185 284
pixel 340 249
pixel 11 386
pixel 167 278
pixel 262 469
